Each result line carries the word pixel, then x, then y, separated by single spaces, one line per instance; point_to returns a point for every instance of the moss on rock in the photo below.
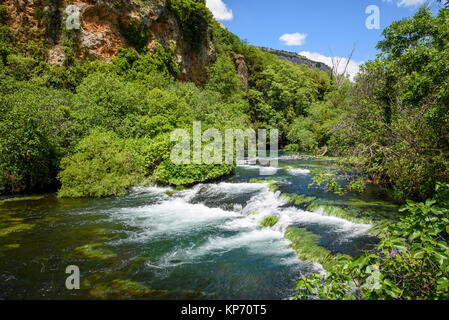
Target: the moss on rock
pixel 269 221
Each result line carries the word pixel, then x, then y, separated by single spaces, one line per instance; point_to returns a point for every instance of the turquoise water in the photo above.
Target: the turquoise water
pixel 202 243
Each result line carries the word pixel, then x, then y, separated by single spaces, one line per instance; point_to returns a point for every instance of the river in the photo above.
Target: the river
pixel 205 242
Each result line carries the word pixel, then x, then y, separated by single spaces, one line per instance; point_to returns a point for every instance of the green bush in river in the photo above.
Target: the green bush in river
pixel 193 17
pixel 101 166
pixel 411 261
pixel 397 125
pixel 269 221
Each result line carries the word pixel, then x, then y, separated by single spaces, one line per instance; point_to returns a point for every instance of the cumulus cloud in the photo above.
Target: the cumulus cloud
pixel 407 3
pixel 219 10
pixel 353 67
pixel 293 39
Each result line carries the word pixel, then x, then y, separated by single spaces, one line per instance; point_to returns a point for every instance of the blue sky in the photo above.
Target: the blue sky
pixel 317 29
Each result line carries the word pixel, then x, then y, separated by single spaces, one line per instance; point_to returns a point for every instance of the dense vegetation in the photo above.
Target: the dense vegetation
pixel 411 261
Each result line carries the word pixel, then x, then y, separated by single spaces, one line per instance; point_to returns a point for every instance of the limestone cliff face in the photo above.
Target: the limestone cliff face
pixel 100 34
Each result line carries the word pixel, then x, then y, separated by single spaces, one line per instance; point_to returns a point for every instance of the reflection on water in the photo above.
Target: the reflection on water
pixel 202 243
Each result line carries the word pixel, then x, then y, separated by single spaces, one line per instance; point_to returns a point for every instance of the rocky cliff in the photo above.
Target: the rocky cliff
pixel 101 33
pixel 296 59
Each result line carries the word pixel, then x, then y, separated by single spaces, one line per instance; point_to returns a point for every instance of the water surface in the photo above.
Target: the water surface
pixel 202 243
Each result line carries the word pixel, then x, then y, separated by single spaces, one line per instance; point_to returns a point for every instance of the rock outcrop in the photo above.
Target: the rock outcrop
pixel 297 59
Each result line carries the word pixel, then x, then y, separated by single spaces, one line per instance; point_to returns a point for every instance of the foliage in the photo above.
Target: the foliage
pixel 105 100
pixel 38 14
pixel 20 67
pixel 328 179
pixel 306 246
pixel 223 78
pixel 411 261
pixel 100 166
pixel 6 43
pixel 34 131
pixel 135 32
pixel 189 174
pixel 357 185
pixel 300 138
pixel 70 41
pixel 194 18
pixel 3 13
pixel 154 71
pixel 53 20
pixel 398 124
pixel 298 199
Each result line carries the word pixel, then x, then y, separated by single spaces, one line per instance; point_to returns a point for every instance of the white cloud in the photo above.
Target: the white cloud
pixel 293 39
pixel 219 10
pixel 353 67
pixel 407 3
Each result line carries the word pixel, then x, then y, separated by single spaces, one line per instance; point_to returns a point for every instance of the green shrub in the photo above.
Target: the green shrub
pixel 327 178
pixel 34 133
pixel 3 13
pixel 151 152
pixel 193 17
pixel 300 137
pixel 101 166
pixel 269 221
pixel 38 14
pixel 105 100
pixel 154 71
pixel 223 78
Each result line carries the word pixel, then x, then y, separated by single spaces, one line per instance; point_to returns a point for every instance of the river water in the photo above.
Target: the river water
pixel 202 243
